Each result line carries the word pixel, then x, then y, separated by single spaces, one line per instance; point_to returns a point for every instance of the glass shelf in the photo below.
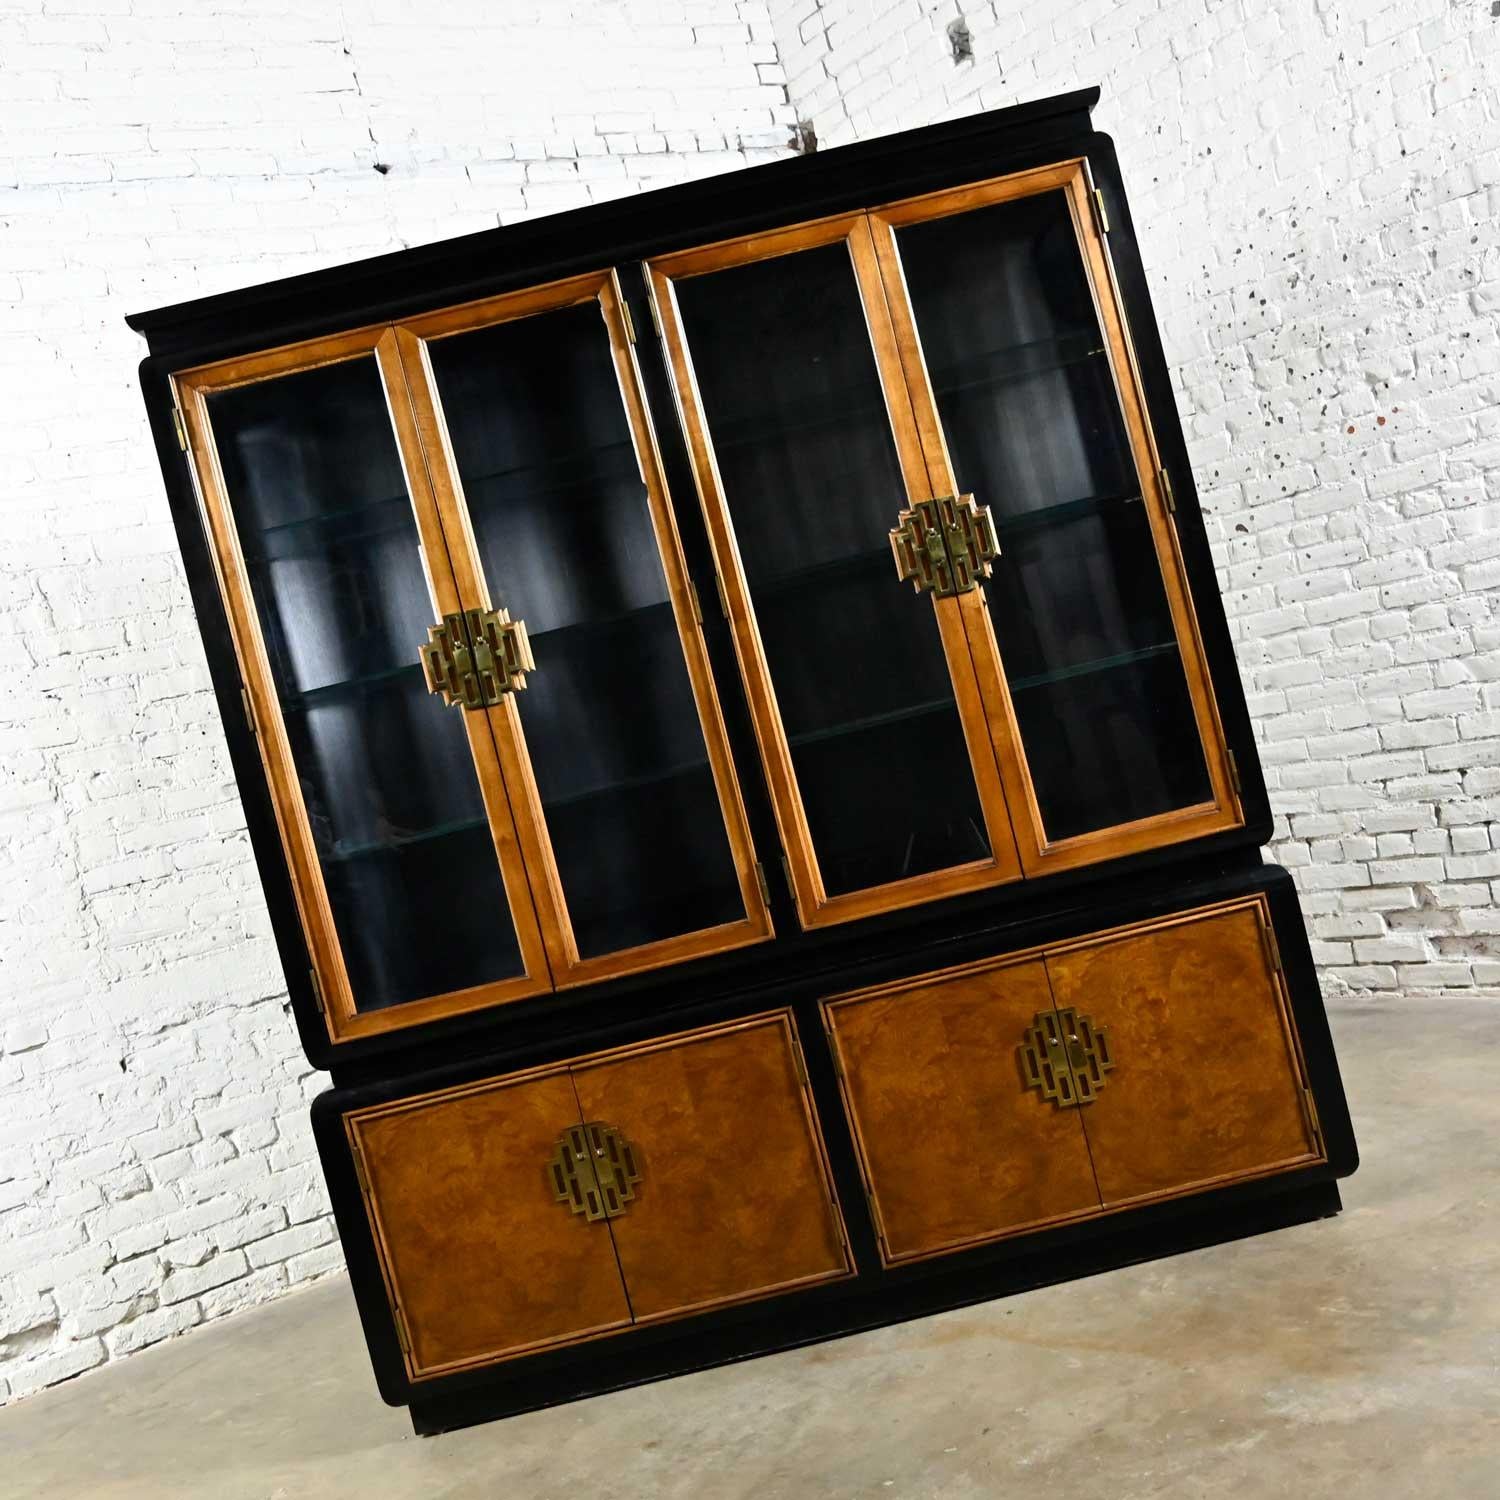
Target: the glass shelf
pixel 871 721
pixel 330 517
pixel 353 687
pixel 397 842
pixel 1015 362
pixel 1089 668
pixel 656 613
pixel 832 571
pixel 756 431
pixel 1060 514
pixel 577 474
pixel 626 784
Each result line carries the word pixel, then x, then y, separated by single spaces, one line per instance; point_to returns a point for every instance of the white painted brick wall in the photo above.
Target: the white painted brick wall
pixel 156 1168
pixel 1316 186
pixel 1316 190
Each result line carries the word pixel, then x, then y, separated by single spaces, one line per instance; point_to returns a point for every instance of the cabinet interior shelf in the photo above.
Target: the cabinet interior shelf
pixel 658 612
pixel 871 721
pixel 1016 362
pixel 396 842
pixel 1091 668
pixel 1060 514
pixel 353 687
pixel 342 515
pixel 626 784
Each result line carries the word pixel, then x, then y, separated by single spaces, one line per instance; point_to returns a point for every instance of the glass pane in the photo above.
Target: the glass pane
pixel 793 402
pixel 1034 429
pixel 562 522
pixel 330 542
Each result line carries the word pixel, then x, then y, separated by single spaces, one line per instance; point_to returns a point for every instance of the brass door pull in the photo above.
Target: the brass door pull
pixel 1065 1056
pixel 594 1170
pixel 945 546
pixel 475 658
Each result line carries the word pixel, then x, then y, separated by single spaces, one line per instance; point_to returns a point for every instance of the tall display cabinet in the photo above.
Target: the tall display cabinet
pixel 740 739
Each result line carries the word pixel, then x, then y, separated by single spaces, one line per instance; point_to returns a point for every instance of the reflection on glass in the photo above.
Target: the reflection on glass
pixel 809 469
pixel 1027 401
pixel 563 526
pixel 314 482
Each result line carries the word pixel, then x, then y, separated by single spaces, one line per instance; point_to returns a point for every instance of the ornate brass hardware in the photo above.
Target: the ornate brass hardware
pixel 1065 1056
pixel 476 657
pixel 594 1171
pixel 945 546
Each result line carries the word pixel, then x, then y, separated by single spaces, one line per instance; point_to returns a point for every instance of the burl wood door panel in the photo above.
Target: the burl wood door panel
pixel 478 1255
pixel 734 1199
pixel 954 1148
pixel 1206 1085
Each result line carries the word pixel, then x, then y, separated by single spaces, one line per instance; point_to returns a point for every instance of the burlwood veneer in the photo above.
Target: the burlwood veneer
pixel 478 1257
pixel 953 1148
pixel 734 1199
pixel 1207 1082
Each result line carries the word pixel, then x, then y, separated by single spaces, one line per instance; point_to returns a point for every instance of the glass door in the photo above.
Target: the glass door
pixel 331 561
pixel 1014 349
pixel 861 690
pixel 549 485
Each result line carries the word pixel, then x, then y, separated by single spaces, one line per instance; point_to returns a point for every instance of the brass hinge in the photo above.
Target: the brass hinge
pixel 762 882
pixel 874 1218
pixel 317 989
pixel 1312 1119
pixel 629 321
pixel 359 1168
pixel 402 1335
pixel 723 597
pixel 833 1052
pixel 693 599
pixel 786 875
pixel 1273 948
pixel 799 1062
pixel 1101 214
pixel 1165 481
pixel 179 429
pixel 249 708
pixel 1234 773
pixel 655 315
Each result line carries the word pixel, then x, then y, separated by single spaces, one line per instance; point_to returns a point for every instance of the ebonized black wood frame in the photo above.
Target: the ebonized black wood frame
pixel 798 968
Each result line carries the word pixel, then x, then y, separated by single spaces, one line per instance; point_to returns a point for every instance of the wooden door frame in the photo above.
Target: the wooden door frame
pixel 412 337
pixel 191 389
pixel 815 907
pixel 1040 854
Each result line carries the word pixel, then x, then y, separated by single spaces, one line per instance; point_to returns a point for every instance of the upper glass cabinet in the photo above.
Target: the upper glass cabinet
pixel 473 657
pixel 470 651
pixel 949 378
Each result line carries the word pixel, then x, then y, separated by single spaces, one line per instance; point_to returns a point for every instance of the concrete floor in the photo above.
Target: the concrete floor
pixel 1356 1358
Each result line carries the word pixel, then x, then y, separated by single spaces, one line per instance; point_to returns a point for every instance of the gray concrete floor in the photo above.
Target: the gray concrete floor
pixel 1358 1357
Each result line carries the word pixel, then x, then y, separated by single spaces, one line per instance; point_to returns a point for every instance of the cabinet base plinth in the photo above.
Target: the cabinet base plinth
pixel 1215 1218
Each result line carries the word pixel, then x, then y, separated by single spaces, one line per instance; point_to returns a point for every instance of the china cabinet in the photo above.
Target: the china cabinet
pixel 740 740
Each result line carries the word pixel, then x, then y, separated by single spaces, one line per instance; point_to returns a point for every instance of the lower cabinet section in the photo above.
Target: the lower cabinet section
pixel 631 1186
pixel 1073 1079
pixel 524 1236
